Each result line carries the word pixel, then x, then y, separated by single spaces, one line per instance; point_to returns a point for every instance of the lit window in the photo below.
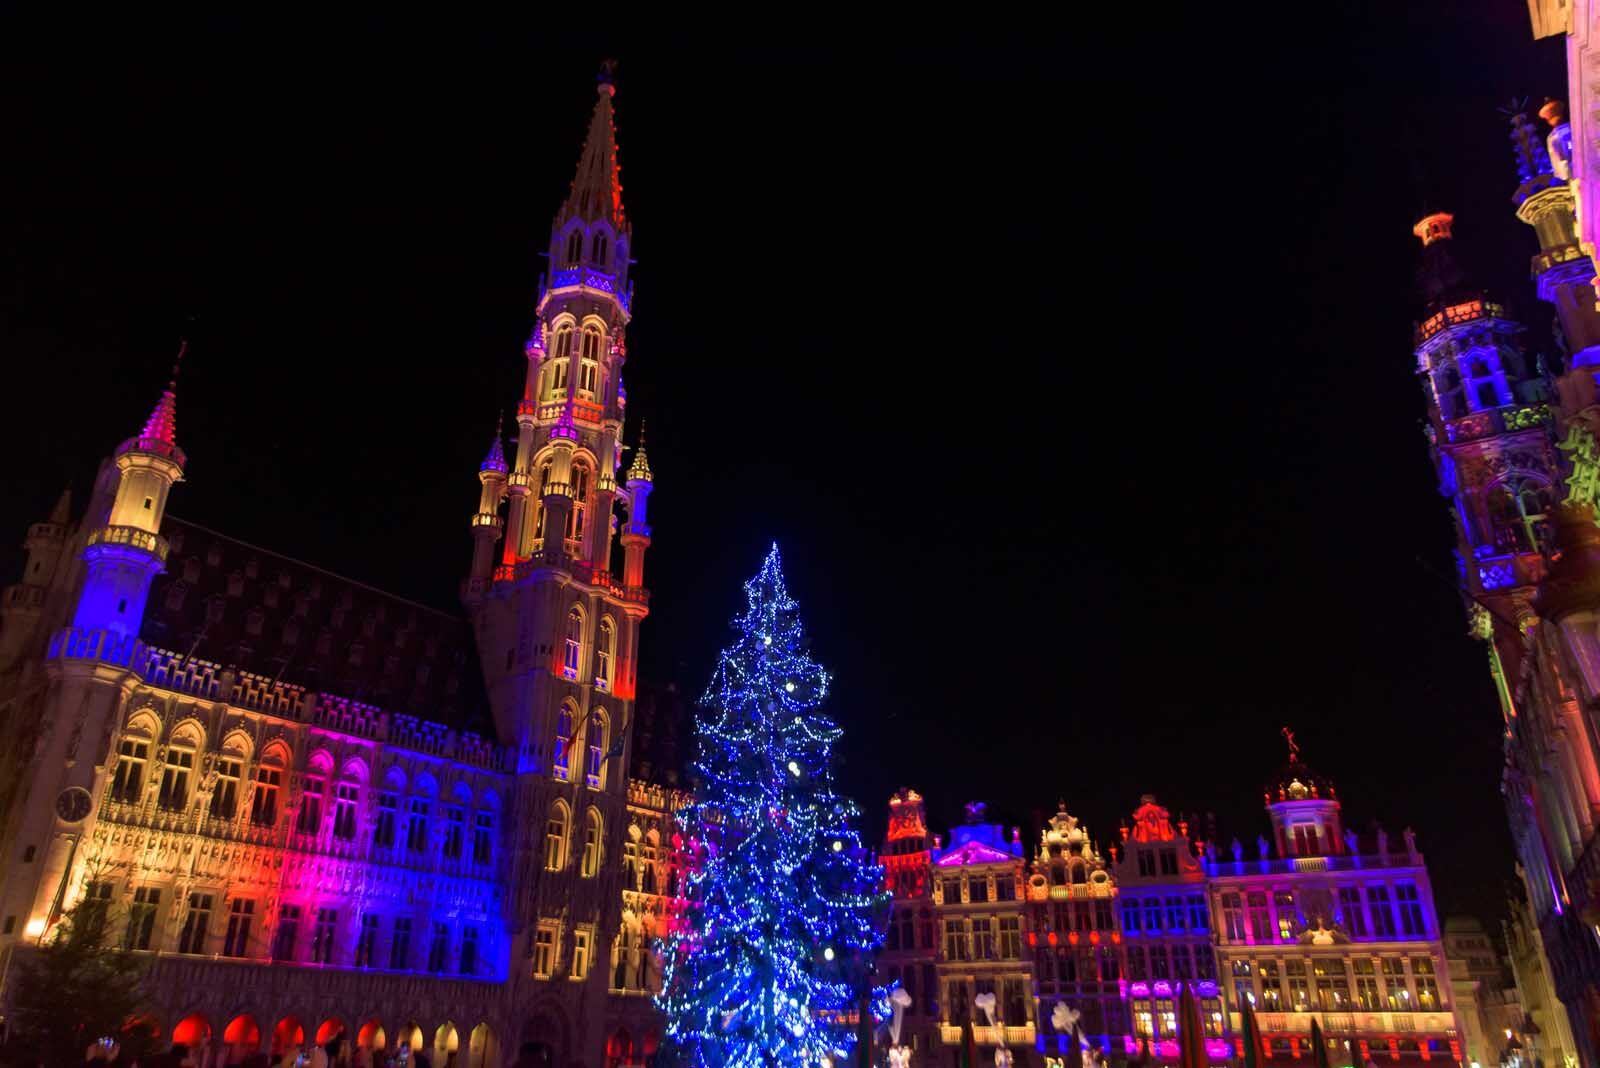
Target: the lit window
pixel 555 838
pixel 591 845
pixel 595 772
pixel 580 502
pixel 561 759
pixel 605 650
pixel 580 954
pixel 574 642
pixel 544 951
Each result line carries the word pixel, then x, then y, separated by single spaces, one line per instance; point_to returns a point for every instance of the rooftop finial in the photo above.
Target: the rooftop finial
pixel 496 460
pixel 597 186
pixel 163 422
pixel 639 470
pixel 1294 746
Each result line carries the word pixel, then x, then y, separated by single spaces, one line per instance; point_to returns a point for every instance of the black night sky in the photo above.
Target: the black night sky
pixel 1071 370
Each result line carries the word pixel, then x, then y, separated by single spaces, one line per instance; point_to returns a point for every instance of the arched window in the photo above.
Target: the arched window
pixel 600 249
pixel 563 347
pixel 575 247
pixel 591 845
pixel 591 342
pixel 605 648
pixel 174 794
pixel 555 837
pixel 595 769
pixel 538 505
pixel 580 502
pixel 574 643
pixel 561 759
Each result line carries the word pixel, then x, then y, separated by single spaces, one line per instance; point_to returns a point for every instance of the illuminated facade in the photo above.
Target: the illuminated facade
pixel 320 807
pixel 1321 924
pixel 1166 927
pixel 1332 928
pixel 1527 457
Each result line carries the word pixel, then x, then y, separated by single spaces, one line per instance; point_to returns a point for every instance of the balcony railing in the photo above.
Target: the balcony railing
pixel 985 1035
pixel 139 539
pixel 1346 1023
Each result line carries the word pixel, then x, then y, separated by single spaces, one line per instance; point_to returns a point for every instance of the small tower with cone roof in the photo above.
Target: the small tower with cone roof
pixel 123 556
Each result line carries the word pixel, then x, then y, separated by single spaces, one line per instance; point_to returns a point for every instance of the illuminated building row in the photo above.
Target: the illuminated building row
pixel 1315 924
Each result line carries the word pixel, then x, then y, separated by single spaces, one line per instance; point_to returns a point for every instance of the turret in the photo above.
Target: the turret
pixel 1544 201
pixel 125 554
pixel 486 522
pixel 23 603
pixel 636 534
pixel 1304 809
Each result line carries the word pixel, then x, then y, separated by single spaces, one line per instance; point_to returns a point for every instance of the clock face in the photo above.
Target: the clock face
pixel 73 804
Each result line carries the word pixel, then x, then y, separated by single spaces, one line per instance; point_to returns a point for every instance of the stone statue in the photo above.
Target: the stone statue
pixel 1261 846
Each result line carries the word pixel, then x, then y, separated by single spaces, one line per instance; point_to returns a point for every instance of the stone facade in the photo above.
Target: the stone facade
pixel 321 808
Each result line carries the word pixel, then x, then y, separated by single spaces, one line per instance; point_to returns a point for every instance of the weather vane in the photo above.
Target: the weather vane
pixel 1294 746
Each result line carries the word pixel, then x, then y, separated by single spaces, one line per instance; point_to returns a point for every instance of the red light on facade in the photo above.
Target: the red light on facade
pixel 1394 1049
pixel 1033 938
pixel 1116 940
pixel 1073 938
pixel 1294 1047
pixel 1052 938
pixel 1455 1048
pixel 1423 1048
pixel 1366 1050
pixel 1094 938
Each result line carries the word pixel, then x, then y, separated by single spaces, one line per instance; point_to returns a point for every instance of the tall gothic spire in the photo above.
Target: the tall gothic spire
pixel 597 187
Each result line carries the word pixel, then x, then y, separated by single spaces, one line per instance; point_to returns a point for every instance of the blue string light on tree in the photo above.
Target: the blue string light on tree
pixel 785 908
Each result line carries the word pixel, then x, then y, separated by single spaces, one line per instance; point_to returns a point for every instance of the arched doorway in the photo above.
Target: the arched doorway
pixel 411 1035
pixel 240 1038
pixel 139 1037
pixel 328 1030
pixel 446 1046
pixel 371 1037
pixel 193 1031
pixel 286 1036
pixel 541 1042
pixel 619 1048
pixel 483 1051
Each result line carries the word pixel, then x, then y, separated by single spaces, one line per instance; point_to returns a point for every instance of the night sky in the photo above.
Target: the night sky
pixel 1071 371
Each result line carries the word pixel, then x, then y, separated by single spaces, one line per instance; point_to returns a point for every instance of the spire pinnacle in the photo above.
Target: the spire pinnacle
pixel 639 470
pixel 496 460
pixel 163 422
pixel 63 509
pixel 597 186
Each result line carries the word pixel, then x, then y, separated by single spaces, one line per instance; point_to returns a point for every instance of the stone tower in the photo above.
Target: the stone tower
pixel 557 627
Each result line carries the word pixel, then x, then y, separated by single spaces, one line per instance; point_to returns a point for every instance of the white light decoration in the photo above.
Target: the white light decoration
pixel 788 687
pixel 827 953
pixel 838 846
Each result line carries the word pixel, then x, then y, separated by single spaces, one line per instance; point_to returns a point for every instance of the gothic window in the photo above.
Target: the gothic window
pixel 264 800
pixel 588 377
pixel 595 769
pixel 400 945
pixel 563 345
pixel 600 249
pixel 192 939
pixel 129 777
pixel 580 502
pixel 580 954
pixel 555 838
pixel 591 343
pixel 225 797
pixel 367 940
pixel 469 951
pixel 455 830
pixel 575 247
pixel 591 845
pixel 322 936
pixel 174 795
pixel 344 812
pixel 236 942
pixel 482 837
pixel 439 951
pixel 544 951
pixel 1409 905
pixel 574 642
pixel 561 760
pixel 417 827
pixel 605 650
pixel 142 917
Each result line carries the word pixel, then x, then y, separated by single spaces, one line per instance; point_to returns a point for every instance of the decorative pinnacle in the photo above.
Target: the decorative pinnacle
pixel 597 186
pixel 496 460
pixel 163 422
pixel 639 470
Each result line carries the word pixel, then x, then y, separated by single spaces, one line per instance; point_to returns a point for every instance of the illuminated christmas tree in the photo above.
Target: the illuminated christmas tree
pixel 786 908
